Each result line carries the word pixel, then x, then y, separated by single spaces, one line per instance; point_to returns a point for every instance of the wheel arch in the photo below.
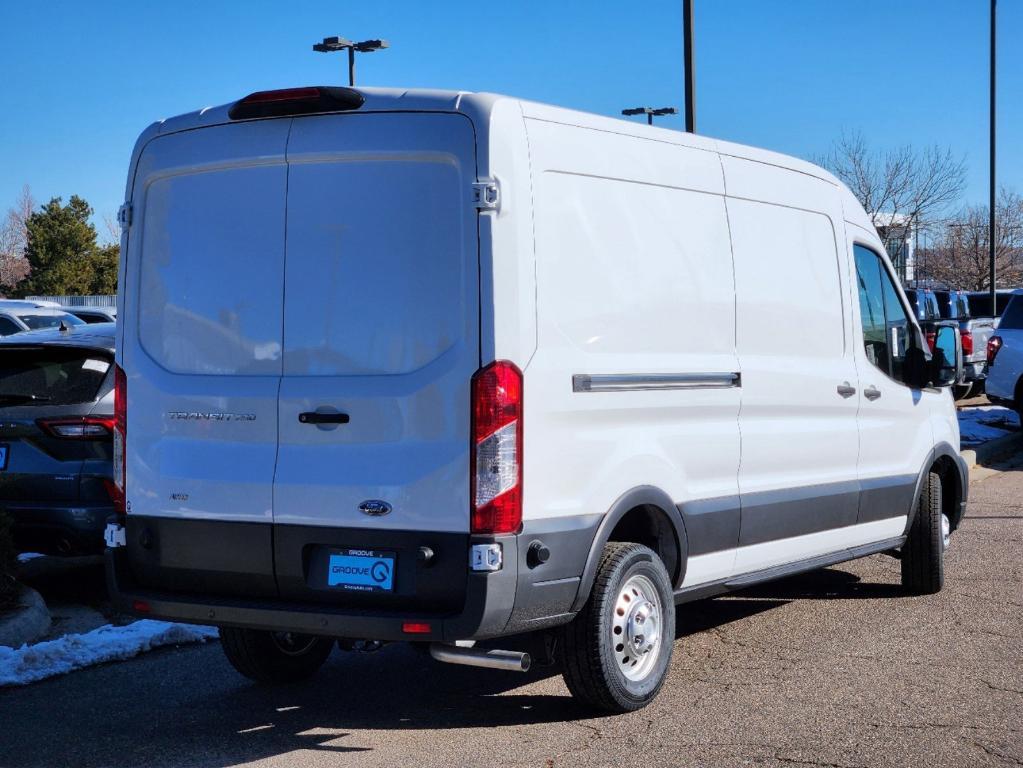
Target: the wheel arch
pixel 950 467
pixel 644 515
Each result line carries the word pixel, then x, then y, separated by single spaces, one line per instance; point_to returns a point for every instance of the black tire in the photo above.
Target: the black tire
pixel 591 661
pixel 274 657
pixel 923 554
pixel 962 391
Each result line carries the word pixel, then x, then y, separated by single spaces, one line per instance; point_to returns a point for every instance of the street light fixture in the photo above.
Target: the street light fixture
pixel 650 112
pixel 334 44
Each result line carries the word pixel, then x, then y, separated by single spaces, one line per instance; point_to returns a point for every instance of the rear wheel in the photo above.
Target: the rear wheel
pixel 616 652
pixel 274 657
pixel 923 554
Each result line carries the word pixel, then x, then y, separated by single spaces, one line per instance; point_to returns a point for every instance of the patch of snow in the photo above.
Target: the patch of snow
pixel 980 423
pixel 24 557
pixel 31 663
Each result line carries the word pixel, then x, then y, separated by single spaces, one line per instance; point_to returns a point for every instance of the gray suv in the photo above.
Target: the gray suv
pixel 56 444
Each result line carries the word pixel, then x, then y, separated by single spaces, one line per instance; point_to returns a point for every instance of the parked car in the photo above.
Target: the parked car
pixel 974 333
pixel 17 316
pixel 980 303
pixel 469 405
pixel 93 314
pixel 56 411
pixel 925 308
pixel 1005 358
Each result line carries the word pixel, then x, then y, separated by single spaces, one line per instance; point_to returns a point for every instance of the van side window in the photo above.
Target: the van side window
pixel 886 325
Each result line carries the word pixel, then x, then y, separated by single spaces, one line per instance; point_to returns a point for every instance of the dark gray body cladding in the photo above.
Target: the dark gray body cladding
pixel 727 522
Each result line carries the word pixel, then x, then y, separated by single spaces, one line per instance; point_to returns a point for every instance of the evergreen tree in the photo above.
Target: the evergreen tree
pixel 61 248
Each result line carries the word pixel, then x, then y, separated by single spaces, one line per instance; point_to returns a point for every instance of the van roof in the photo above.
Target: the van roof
pixel 479 106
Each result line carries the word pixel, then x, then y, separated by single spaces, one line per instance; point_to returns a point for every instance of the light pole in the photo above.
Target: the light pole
pixel 688 43
pixel 991 191
pixel 650 112
pixel 333 44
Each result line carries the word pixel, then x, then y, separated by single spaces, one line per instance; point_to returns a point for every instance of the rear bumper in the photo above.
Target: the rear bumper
pixel 488 605
pixel 974 371
pixel 52 528
pixel 207 572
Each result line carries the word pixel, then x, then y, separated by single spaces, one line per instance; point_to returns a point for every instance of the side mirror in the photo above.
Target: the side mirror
pixel 946 364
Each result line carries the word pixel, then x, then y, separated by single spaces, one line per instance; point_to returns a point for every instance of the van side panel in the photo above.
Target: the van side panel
pixel 634 278
pixel 799 432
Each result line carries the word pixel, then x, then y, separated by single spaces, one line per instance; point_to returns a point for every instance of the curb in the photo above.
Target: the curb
pixel 29 622
pixel 992 449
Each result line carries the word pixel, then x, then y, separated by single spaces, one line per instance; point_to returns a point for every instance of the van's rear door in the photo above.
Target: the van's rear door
pixel 203 353
pixel 381 324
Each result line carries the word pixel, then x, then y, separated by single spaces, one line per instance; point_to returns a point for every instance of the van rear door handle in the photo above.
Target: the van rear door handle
pixel 314 417
pixel 845 390
pixel 872 393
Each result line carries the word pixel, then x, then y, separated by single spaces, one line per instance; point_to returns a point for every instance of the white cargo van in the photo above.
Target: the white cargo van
pixel 424 366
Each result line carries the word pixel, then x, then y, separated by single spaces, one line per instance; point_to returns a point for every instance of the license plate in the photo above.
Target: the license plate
pixel 361 570
pixel 5 451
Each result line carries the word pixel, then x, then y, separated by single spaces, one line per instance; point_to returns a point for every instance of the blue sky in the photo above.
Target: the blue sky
pixel 81 80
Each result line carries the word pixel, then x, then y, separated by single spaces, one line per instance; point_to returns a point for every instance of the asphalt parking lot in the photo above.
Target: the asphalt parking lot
pixel 833 668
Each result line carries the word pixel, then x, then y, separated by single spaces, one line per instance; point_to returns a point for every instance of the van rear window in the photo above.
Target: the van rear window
pixel 51 375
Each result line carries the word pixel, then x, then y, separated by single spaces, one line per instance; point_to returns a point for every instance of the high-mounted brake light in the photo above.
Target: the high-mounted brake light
pixel 497 449
pixel 84 428
pixel 117 490
pixel 993 345
pixel 296 101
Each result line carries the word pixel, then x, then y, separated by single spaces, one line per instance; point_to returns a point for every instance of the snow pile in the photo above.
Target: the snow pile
pixel 981 423
pixel 108 643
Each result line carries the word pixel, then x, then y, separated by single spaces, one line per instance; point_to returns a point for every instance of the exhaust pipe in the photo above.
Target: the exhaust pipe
pixel 510 661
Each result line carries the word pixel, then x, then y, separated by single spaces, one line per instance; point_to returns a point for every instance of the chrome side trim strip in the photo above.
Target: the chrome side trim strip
pixel 625 382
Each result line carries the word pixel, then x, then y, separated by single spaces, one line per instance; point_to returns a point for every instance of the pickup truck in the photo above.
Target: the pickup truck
pixel 974 332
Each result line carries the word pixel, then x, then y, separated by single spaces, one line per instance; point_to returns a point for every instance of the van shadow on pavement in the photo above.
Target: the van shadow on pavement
pixel 187 706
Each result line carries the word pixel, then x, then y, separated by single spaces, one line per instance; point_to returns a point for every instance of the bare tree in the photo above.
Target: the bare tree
pixel 13 239
pixel 959 256
pixel 900 189
pixel 113 228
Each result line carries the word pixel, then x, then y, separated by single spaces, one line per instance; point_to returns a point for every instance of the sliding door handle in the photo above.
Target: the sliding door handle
pixel 315 417
pixel 845 390
pixel 872 393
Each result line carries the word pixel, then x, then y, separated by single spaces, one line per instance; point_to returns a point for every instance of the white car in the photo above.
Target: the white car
pixel 403 365
pixel 1005 358
pixel 17 315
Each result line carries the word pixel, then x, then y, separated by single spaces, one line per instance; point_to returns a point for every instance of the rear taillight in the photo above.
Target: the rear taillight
pixel 120 437
pixel 967 338
pixel 497 449
pixel 84 428
pixel 993 345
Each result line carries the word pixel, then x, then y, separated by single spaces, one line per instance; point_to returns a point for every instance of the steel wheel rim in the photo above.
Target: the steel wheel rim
pixel 636 625
pixel 946 532
pixel 292 644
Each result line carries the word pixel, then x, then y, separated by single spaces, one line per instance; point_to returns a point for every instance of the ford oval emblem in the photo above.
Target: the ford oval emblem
pixel 374 507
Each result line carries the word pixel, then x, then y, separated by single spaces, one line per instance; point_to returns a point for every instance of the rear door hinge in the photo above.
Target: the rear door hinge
pixel 124 215
pixel 486 195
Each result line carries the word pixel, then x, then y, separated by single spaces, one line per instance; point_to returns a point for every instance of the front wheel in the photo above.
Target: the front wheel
pixel 616 652
pixel 923 554
pixel 274 657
